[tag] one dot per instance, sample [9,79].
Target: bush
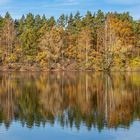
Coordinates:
[135,62]
[11,58]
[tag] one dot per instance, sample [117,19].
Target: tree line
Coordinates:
[95,41]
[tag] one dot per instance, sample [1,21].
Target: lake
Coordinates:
[69,106]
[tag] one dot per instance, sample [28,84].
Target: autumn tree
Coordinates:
[51,45]
[8,36]
[117,33]
[85,45]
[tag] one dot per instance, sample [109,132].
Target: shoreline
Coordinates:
[36,69]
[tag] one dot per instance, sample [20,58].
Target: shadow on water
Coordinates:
[71,99]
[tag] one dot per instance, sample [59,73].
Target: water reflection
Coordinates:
[70,99]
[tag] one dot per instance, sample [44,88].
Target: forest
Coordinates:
[96,41]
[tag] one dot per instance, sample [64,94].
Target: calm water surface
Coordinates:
[69,106]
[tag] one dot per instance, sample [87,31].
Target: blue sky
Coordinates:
[57,7]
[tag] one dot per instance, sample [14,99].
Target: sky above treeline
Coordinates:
[56,7]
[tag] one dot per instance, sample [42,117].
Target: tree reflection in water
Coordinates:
[70,99]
